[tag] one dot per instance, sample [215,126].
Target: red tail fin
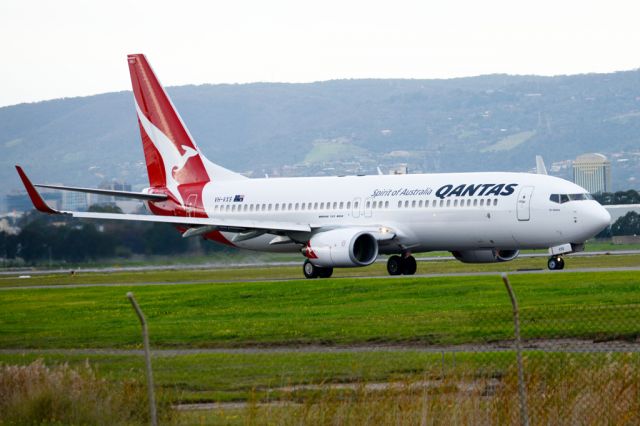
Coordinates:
[172,156]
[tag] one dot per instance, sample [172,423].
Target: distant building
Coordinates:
[592,172]
[72,200]
[112,186]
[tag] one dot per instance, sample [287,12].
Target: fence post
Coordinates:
[524,415]
[147,358]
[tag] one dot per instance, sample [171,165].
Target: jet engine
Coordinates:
[485,255]
[342,247]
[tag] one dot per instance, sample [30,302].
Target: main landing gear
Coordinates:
[312,271]
[555,263]
[402,265]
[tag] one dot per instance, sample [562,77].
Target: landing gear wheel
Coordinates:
[325,272]
[395,265]
[555,263]
[310,270]
[409,265]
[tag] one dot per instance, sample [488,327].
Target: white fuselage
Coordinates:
[425,211]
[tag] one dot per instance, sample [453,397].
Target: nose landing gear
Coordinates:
[555,263]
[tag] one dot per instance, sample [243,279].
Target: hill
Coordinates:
[494,122]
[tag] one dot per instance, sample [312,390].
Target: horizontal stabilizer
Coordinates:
[108,192]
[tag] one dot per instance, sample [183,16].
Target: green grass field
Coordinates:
[412,311]
[437,310]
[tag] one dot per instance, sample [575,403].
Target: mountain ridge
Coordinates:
[256,128]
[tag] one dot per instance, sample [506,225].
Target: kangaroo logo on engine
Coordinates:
[468,190]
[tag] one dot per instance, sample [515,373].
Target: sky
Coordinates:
[65,48]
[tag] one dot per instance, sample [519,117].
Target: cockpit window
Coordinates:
[564,198]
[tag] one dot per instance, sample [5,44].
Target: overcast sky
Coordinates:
[51,49]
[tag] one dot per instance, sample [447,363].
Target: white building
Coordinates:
[592,172]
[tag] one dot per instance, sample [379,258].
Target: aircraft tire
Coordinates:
[325,272]
[555,263]
[395,265]
[309,270]
[409,265]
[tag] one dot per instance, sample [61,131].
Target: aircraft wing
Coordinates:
[211,224]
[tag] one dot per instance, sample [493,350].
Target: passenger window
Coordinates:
[448,203]
[455,203]
[335,205]
[386,204]
[355,205]
[441,203]
[348,204]
[368,204]
[495,201]
[475,202]
[426,203]
[420,203]
[341,204]
[321,206]
[399,204]
[270,207]
[406,203]
[482,202]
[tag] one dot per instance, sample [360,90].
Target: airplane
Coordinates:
[343,221]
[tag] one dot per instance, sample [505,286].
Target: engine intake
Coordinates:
[342,247]
[485,255]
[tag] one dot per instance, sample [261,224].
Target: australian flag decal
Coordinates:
[238,198]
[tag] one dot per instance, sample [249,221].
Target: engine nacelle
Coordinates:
[342,247]
[485,255]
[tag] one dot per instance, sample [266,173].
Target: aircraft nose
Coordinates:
[599,218]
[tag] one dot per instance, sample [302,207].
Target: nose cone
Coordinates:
[597,218]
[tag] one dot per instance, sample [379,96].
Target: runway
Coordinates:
[397,277]
[202,266]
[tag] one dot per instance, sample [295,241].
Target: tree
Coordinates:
[628,224]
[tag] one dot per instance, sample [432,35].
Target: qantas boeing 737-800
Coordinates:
[344,221]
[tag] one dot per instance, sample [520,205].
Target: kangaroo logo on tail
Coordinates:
[173,160]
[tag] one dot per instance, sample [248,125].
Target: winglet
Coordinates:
[36,199]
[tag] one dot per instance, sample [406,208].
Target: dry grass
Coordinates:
[38,394]
[566,390]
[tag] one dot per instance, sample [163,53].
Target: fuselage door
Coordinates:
[355,208]
[524,203]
